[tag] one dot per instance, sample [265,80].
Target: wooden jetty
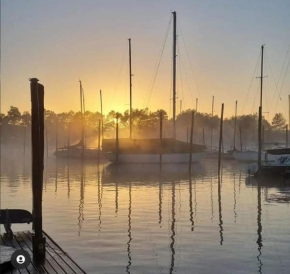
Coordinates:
[56,260]
[46,255]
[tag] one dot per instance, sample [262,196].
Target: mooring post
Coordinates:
[191,140]
[24,140]
[99,141]
[117,138]
[37,136]
[286,136]
[221,139]
[241,140]
[160,137]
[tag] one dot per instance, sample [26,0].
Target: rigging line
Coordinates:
[191,93]
[276,85]
[154,75]
[251,83]
[282,85]
[284,63]
[118,77]
[190,64]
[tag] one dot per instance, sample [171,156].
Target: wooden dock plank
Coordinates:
[57,261]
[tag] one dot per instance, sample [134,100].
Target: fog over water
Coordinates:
[138,219]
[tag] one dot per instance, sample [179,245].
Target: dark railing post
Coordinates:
[37,136]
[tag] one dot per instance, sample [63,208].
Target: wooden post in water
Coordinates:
[241,140]
[37,137]
[99,142]
[24,140]
[46,141]
[117,138]
[68,139]
[56,135]
[286,136]
[191,140]
[220,140]
[160,137]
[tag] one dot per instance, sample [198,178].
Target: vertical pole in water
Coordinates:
[212,109]
[241,140]
[101,99]
[99,142]
[24,140]
[68,139]
[235,127]
[37,137]
[221,139]
[286,136]
[46,141]
[160,137]
[174,75]
[130,74]
[203,137]
[117,138]
[289,110]
[56,134]
[191,140]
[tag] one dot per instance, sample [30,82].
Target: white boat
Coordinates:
[77,152]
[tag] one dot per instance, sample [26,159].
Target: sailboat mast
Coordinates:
[130,77]
[235,128]
[174,75]
[82,114]
[212,109]
[260,113]
[102,120]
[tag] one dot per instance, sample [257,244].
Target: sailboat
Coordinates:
[79,150]
[170,150]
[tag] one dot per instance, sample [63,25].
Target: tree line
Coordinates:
[61,128]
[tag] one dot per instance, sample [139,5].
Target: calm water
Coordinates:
[138,220]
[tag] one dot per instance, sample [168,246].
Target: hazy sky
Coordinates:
[62,41]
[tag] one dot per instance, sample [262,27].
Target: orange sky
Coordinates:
[60,42]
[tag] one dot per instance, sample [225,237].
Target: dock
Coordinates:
[56,259]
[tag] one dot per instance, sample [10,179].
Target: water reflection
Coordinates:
[129,230]
[197,205]
[173,220]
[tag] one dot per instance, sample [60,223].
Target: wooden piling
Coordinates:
[24,140]
[286,136]
[191,140]
[46,141]
[68,139]
[221,139]
[241,140]
[160,137]
[99,142]
[117,138]
[37,137]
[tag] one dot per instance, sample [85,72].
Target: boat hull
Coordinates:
[77,153]
[155,158]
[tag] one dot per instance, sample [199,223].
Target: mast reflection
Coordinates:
[82,199]
[129,230]
[259,225]
[235,199]
[172,231]
[160,203]
[100,196]
[190,204]
[220,213]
